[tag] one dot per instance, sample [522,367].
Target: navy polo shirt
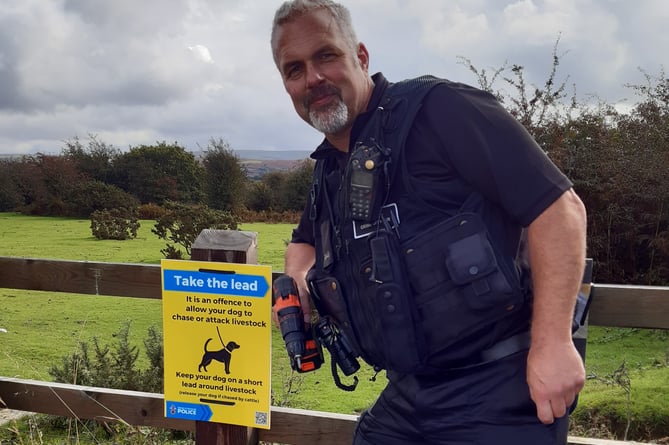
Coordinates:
[462,140]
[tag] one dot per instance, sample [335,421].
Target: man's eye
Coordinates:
[292,72]
[328,56]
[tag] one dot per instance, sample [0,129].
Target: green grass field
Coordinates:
[43,327]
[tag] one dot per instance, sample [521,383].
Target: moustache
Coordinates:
[319,91]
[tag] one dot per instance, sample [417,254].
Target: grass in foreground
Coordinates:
[44,326]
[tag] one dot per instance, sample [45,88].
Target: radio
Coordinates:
[364,180]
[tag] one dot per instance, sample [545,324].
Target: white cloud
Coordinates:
[189,70]
[538,24]
[450,26]
[202,53]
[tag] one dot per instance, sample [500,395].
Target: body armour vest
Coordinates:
[413,289]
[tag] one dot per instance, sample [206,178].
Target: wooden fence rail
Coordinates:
[613,305]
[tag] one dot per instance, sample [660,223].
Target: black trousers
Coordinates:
[487,404]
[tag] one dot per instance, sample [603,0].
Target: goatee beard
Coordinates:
[332,118]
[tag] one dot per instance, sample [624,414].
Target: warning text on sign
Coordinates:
[229,314]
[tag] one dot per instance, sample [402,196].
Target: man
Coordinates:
[417,244]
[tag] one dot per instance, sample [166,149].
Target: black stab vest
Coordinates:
[414,289]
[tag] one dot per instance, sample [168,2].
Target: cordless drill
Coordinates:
[304,352]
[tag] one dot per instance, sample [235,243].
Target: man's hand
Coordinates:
[305,302]
[299,259]
[555,375]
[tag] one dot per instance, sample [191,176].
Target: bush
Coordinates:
[270,216]
[150,211]
[114,366]
[91,196]
[182,223]
[117,224]
[152,377]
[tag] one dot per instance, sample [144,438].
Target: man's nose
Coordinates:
[314,75]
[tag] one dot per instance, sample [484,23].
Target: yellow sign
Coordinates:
[217,342]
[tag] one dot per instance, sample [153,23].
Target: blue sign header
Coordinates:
[215,282]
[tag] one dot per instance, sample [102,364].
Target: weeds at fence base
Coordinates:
[52,430]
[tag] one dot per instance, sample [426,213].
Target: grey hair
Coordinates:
[293,9]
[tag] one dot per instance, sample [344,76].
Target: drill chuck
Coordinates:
[291,322]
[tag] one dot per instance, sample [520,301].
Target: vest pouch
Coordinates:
[471,261]
[403,345]
[459,284]
[326,293]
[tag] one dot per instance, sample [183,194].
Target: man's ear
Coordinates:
[363,56]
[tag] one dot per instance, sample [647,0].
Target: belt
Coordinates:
[501,349]
[505,348]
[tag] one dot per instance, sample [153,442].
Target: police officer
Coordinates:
[430,206]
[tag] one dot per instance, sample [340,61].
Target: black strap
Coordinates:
[400,105]
[324,249]
[337,379]
[316,184]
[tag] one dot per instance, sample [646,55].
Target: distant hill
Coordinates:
[259,155]
[9,156]
[273,155]
[259,162]
[256,162]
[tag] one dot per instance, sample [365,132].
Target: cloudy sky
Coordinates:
[139,71]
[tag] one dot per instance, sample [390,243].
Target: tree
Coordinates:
[640,149]
[267,194]
[96,160]
[617,162]
[259,196]
[297,185]
[46,184]
[536,108]
[156,173]
[225,180]
[283,190]
[10,194]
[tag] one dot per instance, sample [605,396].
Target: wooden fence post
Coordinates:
[230,246]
